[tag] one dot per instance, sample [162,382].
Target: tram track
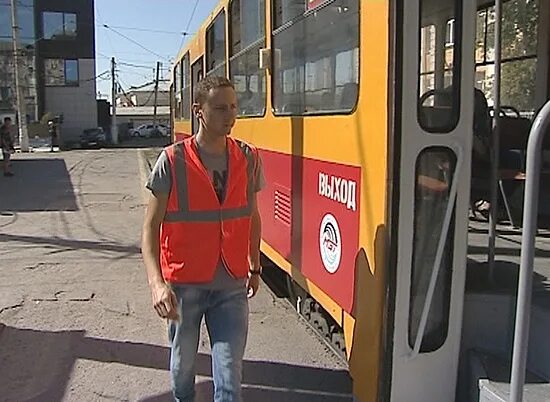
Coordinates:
[318,320]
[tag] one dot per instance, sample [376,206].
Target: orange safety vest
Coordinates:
[197,229]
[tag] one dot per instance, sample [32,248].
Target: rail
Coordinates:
[530,212]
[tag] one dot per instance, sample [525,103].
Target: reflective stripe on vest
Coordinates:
[185,215]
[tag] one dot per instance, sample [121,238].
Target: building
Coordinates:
[27,51]
[57,41]
[145,96]
[136,107]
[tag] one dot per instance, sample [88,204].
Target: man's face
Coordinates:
[7,122]
[219,111]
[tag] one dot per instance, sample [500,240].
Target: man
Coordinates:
[6,144]
[52,130]
[201,242]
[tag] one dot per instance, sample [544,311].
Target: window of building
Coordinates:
[439,65]
[25,20]
[5,94]
[519,53]
[315,57]
[247,38]
[71,72]
[58,25]
[61,72]
[5,21]
[215,46]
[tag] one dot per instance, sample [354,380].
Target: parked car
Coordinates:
[150,130]
[93,136]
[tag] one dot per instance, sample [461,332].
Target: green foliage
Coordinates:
[519,40]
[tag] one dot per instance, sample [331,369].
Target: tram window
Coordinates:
[316,68]
[439,65]
[176,89]
[434,170]
[215,46]
[185,88]
[247,38]
[519,53]
[286,10]
[427,61]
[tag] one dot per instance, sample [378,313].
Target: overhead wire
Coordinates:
[128,98]
[100,18]
[135,42]
[192,15]
[123,63]
[134,73]
[146,30]
[101,75]
[185,33]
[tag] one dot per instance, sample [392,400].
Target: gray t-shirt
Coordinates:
[160,182]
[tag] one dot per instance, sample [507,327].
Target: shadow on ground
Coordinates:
[37,365]
[38,185]
[504,279]
[56,244]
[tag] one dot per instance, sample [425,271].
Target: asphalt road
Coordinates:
[76,323]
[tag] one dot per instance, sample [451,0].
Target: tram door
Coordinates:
[197,72]
[433,130]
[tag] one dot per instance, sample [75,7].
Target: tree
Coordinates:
[519,39]
[519,47]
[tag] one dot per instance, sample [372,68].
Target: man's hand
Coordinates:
[252,285]
[165,301]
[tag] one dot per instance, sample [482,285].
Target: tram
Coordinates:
[363,112]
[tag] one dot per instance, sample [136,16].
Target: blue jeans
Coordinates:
[226,316]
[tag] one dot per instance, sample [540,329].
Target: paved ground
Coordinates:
[76,322]
[75,317]
[507,260]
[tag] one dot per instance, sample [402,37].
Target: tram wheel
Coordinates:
[338,342]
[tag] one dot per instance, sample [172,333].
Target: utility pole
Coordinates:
[156,95]
[114,128]
[21,107]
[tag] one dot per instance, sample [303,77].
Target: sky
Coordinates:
[137,19]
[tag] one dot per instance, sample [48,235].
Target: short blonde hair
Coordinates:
[206,84]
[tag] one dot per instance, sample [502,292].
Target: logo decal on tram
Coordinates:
[330,243]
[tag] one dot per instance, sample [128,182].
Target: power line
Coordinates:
[147,30]
[129,62]
[108,37]
[192,15]
[141,86]
[188,25]
[122,63]
[134,42]
[134,73]
[96,77]
[102,54]
[125,94]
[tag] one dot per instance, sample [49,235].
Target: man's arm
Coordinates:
[255,235]
[254,248]
[164,299]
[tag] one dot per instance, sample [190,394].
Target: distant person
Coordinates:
[201,242]
[6,144]
[52,129]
